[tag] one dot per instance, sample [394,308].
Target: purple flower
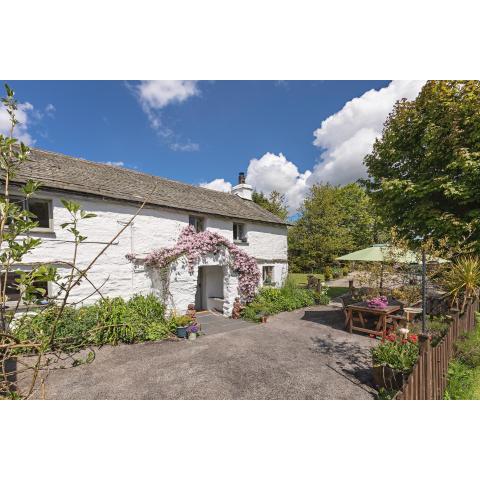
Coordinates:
[378,302]
[192,329]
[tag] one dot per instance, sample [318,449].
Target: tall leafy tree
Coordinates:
[274,203]
[425,169]
[333,220]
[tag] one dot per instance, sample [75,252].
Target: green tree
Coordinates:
[274,203]
[425,169]
[333,220]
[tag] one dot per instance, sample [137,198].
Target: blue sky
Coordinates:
[198,132]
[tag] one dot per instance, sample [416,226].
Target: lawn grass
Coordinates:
[334,292]
[476,384]
[464,369]
[300,279]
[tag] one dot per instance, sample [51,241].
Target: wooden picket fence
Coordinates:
[428,379]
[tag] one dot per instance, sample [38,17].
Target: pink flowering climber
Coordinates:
[194,245]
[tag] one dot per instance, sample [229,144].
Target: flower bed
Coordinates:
[270,301]
[393,359]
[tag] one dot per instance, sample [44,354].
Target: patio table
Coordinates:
[362,308]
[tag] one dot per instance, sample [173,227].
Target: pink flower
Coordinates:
[194,245]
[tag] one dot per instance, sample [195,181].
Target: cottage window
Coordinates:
[268,275]
[12,291]
[41,208]
[196,223]
[239,232]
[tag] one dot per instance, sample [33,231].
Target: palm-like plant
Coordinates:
[462,279]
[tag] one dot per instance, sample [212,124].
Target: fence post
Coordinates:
[455,313]
[426,353]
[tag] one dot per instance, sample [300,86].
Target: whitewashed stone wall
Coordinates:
[183,282]
[153,228]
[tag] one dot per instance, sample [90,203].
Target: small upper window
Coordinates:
[39,207]
[196,223]
[267,275]
[239,232]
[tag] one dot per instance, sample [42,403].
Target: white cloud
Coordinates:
[272,172]
[345,138]
[23,115]
[348,135]
[158,94]
[185,147]
[115,164]
[155,95]
[218,184]
[50,110]
[275,172]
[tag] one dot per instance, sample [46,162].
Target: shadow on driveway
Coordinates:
[349,359]
[330,317]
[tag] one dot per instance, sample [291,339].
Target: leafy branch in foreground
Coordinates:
[24,358]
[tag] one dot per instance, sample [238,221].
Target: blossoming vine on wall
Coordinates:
[194,244]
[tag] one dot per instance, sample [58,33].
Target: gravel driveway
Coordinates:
[296,355]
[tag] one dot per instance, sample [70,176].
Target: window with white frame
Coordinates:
[196,223]
[267,275]
[239,232]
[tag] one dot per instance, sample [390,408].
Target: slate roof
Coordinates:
[62,172]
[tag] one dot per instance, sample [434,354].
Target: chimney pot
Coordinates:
[242,190]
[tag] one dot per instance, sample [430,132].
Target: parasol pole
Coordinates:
[424,290]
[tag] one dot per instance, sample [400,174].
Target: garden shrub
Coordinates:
[437,327]
[321,298]
[337,272]
[467,350]
[270,301]
[108,321]
[328,273]
[438,324]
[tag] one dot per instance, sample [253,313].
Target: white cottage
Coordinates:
[114,194]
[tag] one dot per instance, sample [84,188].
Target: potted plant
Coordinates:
[192,331]
[393,359]
[378,302]
[182,324]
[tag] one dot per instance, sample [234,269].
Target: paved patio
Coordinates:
[297,355]
[213,323]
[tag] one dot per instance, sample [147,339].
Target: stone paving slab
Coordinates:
[213,323]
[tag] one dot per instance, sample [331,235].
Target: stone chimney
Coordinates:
[243,190]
